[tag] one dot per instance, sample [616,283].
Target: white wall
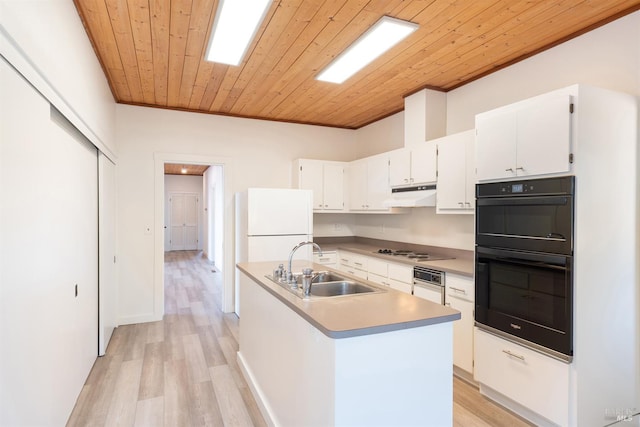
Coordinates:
[46,42]
[256,153]
[214,223]
[384,135]
[183,184]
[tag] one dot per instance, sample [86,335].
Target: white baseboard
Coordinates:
[515,407]
[144,318]
[256,391]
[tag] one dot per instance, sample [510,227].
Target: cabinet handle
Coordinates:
[324,259]
[520,168]
[358,263]
[509,170]
[467,203]
[406,180]
[326,206]
[448,304]
[346,261]
[458,290]
[517,356]
[461,204]
[411,179]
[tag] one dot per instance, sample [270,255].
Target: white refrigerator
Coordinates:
[269,223]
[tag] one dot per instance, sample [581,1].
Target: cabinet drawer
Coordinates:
[400,272]
[354,271]
[400,286]
[527,377]
[327,258]
[377,267]
[375,278]
[460,287]
[353,260]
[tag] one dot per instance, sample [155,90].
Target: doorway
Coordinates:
[216,226]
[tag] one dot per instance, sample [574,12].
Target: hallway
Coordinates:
[181,371]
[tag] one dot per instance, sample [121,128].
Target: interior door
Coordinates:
[183,213]
[177,221]
[190,222]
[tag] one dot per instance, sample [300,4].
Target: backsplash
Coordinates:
[421,226]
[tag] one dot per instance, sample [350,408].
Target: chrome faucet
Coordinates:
[295,248]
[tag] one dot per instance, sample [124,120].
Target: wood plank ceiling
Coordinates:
[152,52]
[177,169]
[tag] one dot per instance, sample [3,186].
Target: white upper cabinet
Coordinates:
[325,178]
[413,165]
[456,173]
[369,183]
[530,138]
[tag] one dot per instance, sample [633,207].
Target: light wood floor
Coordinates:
[182,371]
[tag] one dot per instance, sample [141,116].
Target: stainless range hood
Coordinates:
[412,197]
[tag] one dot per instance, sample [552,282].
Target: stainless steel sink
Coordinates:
[343,287]
[327,284]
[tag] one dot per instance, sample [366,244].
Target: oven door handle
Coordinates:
[531,258]
[524,201]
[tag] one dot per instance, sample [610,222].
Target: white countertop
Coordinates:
[353,315]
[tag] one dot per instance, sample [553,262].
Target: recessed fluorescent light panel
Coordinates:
[385,34]
[236,23]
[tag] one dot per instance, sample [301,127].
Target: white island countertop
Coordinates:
[353,315]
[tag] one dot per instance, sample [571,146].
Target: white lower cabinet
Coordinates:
[538,383]
[396,276]
[400,277]
[328,258]
[460,292]
[353,263]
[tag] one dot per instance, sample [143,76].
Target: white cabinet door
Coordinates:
[358,185]
[495,145]
[528,139]
[311,178]
[424,163]
[462,333]
[378,182]
[399,167]
[456,173]
[527,377]
[544,139]
[333,186]
[451,174]
[325,179]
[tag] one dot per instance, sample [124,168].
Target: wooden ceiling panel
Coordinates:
[177,169]
[152,52]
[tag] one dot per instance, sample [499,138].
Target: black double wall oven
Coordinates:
[524,262]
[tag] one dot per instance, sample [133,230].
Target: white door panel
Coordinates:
[273,211]
[277,248]
[183,212]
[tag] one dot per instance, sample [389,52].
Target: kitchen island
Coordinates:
[381,358]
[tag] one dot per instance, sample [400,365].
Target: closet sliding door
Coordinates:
[48,257]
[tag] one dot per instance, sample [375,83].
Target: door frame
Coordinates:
[228,242]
